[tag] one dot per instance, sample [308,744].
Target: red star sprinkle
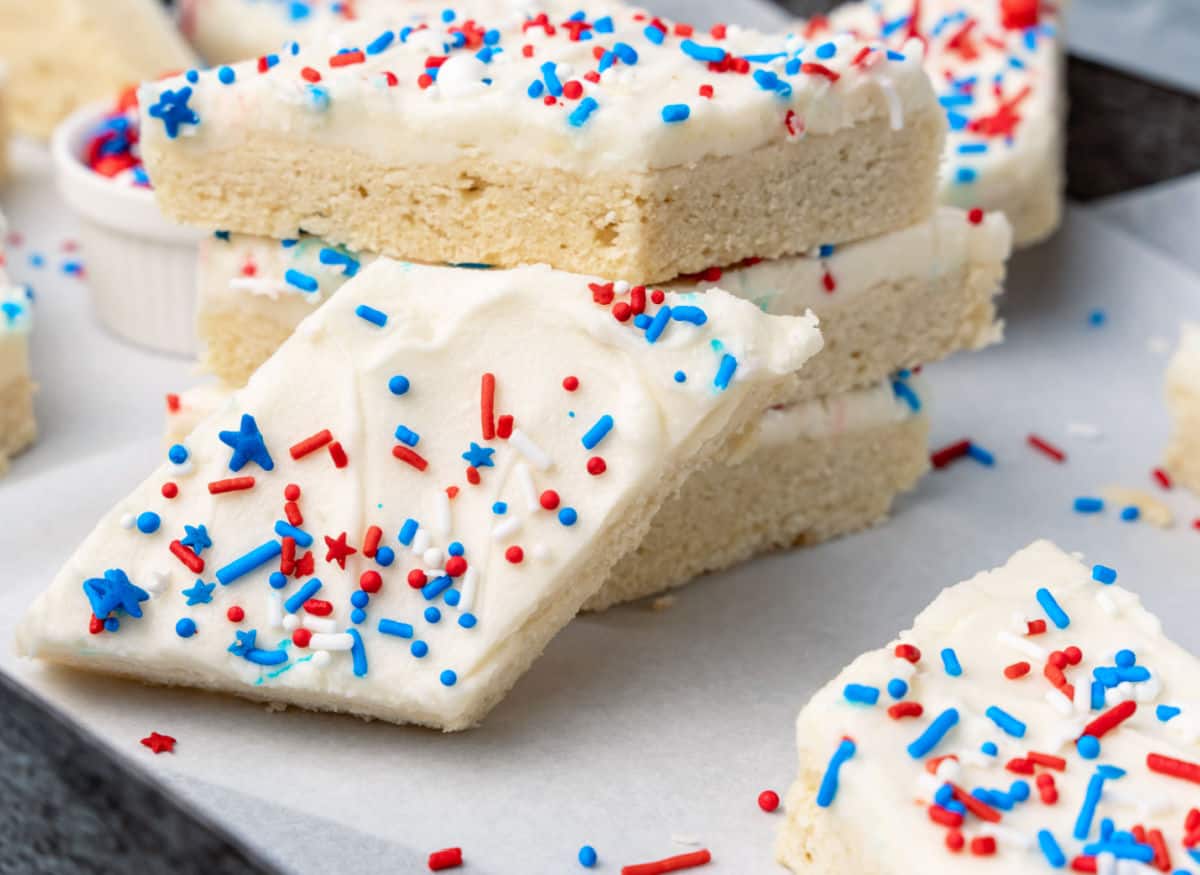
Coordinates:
[339,550]
[159,743]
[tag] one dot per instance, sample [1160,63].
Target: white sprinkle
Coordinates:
[127,521]
[684,839]
[1106,864]
[318,624]
[291,622]
[1059,702]
[320,659]
[531,451]
[1083,698]
[507,528]
[274,608]
[1084,430]
[895,107]
[441,513]
[1023,644]
[528,489]
[420,541]
[1106,603]
[621,287]
[540,552]
[433,557]
[156,581]
[927,786]
[183,469]
[466,599]
[1148,691]
[336,641]
[948,770]
[903,669]
[1007,836]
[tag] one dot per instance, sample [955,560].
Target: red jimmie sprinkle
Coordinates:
[670,864]
[1020,766]
[1110,719]
[909,652]
[951,453]
[287,555]
[193,562]
[311,444]
[815,69]
[1083,864]
[979,809]
[345,59]
[487,406]
[318,607]
[946,818]
[447,858]
[340,459]
[1044,446]
[1017,670]
[371,541]
[1048,760]
[1035,627]
[906,709]
[983,846]
[1173,768]
[1163,478]
[308,74]
[404,454]
[504,427]
[172,403]
[233,484]
[1047,789]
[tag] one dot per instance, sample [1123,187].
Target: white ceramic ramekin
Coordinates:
[141,266]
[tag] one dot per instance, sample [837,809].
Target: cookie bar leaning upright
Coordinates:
[616,143]
[1035,718]
[1183,399]
[18,429]
[411,498]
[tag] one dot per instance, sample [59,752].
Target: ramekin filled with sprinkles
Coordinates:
[141,265]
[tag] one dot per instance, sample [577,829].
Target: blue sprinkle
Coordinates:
[568,516]
[861,694]
[594,435]
[185,628]
[655,329]
[1125,658]
[653,34]
[989,748]
[178,454]
[627,53]
[112,624]
[536,89]
[148,522]
[334,258]
[673,113]
[370,314]
[407,436]
[965,175]
[398,385]
[419,649]
[499,508]
[448,678]
[277,580]
[825,250]
[1088,747]
[380,43]
[456,548]
[408,531]
[297,599]
[1103,574]
[395,628]
[385,556]
[725,372]
[436,587]
[980,455]
[1130,514]
[829,782]
[1166,713]
[1098,698]
[1050,849]
[825,51]
[579,116]
[692,315]
[1096,318]
[587,856]
[709,54]
[905,393]
[897,688]
[360,598]
[603,25]
[358,654]
[1008,723]
[358,615]
[302,281]
[452,597]
[1050,605]
[553,84]
[226,75]
[680,377]
[249,562]
[933,734]
[972,149]
[1083,504]
[287,530]
[467,621]
[432,615]
[950,663]
[1019,790]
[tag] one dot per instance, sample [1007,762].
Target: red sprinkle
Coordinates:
[596,466]
[549,499]
[1163,478]
[447,858]
[1035,627]
[308,74]
[946,818]
[338,455]
[514,554]
[975,216]
[345,59]
[172,403]
[184,554]
[370,581]
[235,614]
[487,406]
[906,709]
[291,492]
[318,607]
[909,652]
[670,864]
[768,800]
[815,69]
[311,444]
[1017,670]
[570,383]
[170,490]
[456,566]
[1047,788]
[417,578]
[706,91]
[301,637]
[292,511]
[950,453]
[404,454]
[233,484]
[983,846]
[955,840]
[1173,768]
[1110,719]
[371,541]
[1046,447]
[1048,760]
[504,427]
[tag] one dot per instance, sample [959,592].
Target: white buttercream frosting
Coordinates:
[16,321]
[874,812]
[616,90]
[643,396]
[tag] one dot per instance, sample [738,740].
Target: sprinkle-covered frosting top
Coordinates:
[1035,718]
[593,89]
[995,65]
[423,473]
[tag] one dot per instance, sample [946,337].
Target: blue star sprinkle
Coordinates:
[248,445]
[479,457]
[200,593]
[197,538]
[173,109]
[112,592]
[244,643]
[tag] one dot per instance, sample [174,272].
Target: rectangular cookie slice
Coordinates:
[998,69]
[415,494]
[806,472]
[896,301]
[1183,399]
[18,428]
[1035,718]
[609,142]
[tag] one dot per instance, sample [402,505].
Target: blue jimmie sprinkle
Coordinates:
[829,782]
[692,315]
[370,314]
[597,432]
[1104,574]
[579,116]
[825,51]
[653,34]
[1084,504]
[725,372]
[1056,614]
[658,324]
[286,530]
[905,393]
[297,599]
[395,628]
[950,663]
[249,562]
[358,654]
[1006,722]
[980,455]
[436,587]
[673,113]
[408,531]
[1130,514]
[861,694]
[933,734]
[380,43]
[709,54]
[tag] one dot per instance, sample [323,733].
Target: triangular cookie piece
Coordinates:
[416,492]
